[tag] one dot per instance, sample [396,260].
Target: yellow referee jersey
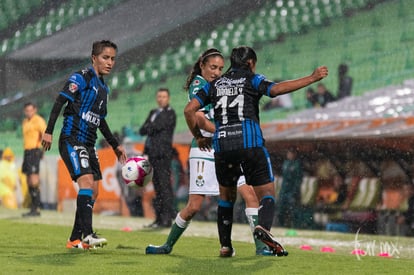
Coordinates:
[33,130]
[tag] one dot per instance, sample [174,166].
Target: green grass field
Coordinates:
[37,246]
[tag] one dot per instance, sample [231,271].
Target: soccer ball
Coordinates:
[137,171]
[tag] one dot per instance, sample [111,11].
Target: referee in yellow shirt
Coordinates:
[33,127]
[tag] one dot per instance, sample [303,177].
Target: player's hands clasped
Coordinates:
[204,143]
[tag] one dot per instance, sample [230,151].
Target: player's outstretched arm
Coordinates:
[289,86]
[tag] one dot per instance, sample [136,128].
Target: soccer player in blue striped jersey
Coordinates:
[238,139]
[85,96]
[203,181]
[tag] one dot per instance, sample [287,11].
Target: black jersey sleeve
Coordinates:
[54,113]
[106,132]
[260,83]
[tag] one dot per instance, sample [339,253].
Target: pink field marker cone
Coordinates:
[126,229]
[327,249]
[358,252]
[305,247]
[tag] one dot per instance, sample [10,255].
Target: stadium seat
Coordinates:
[4,46]
[40,28]
[17,40]
[114,82]
[131,79]
[155,75]
[163,64]
[143,75]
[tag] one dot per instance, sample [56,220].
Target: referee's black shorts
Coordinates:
[31,161]
[253,163]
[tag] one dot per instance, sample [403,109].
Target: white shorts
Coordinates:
[203,180]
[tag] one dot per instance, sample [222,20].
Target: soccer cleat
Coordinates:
[93,241]
[226,251]
[76,244]
[264,252]
[158,225]
[163,249]
[31,214]
[267,238]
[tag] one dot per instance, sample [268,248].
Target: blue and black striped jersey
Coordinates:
[235,97]
[87,97]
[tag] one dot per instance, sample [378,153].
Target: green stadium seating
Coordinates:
[11,11]
[67,14]
[264,25]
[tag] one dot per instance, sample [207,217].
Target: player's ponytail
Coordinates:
[196,70]
[239,58]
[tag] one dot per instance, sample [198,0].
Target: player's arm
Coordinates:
[190,111]
[54,114]
[110,138]
[204,123]
[288,86]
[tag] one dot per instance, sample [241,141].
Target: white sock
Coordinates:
[251,215]
[180,222]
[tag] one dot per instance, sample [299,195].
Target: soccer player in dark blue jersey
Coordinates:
[238,140]
[85,96]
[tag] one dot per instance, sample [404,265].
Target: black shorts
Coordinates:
[31,161]
[79,159]
[253,163]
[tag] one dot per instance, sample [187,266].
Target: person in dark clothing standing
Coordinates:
[159,128]
[345,82]
[289,197]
